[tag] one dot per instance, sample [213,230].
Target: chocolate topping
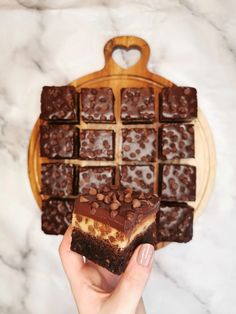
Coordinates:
[118,214]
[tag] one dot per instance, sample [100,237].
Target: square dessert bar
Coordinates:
[178,183]
[96,145]
[174,222]
[176,141]
[97,105]
[96,177]
[137,105]
[178,104]
[56,215]
[58,141]
[109,225]
[58,104]
[57,179]
[139,178]
[139,144]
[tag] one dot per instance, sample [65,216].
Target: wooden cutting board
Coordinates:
[116,77]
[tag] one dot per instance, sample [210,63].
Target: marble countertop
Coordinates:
[53,42]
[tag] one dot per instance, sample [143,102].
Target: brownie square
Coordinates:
[178,183]
[178,104]
[137,105]
[96,177]
[174,222]
[139,178]
[96,145]
[176,141]
[56,215]
[139,144]
[57,179]
[58,141]
[59,103]
[97,105]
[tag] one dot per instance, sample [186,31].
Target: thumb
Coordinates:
[130,287]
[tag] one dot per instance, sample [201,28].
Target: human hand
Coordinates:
[98,291]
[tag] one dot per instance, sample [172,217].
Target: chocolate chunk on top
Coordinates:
[97,105]
[174,222]
[58,141]
[59,103]
[57,179]
[120,208]
[56,215]
[97,144]
[177,141]
[137,105]
[139,178]
[178,104]
[139,144]
[178,183]
[95,177]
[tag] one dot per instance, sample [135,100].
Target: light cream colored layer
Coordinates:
[112,235]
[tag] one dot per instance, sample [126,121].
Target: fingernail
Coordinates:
[145,254]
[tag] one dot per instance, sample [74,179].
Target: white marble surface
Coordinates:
[54,42]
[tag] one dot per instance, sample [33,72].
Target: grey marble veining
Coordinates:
[47,42]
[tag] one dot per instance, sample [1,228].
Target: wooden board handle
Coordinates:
[126,42]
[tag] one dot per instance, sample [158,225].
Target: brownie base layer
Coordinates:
[106,255]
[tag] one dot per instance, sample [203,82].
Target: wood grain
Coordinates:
[116,77]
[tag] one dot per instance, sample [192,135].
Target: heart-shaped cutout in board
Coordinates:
[126,57]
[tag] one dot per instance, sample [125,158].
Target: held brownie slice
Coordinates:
[109,225]
[174,222]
